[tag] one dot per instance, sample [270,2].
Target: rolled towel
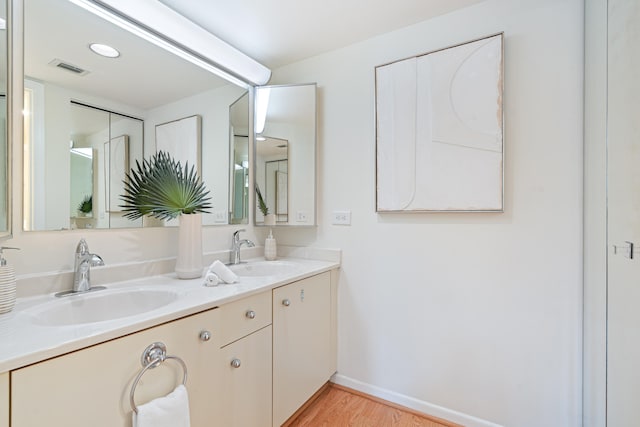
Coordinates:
[211,279]
[169,411]
[223,272]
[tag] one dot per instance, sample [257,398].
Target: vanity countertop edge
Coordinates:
[23,342]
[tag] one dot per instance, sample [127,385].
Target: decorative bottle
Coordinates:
[270,249]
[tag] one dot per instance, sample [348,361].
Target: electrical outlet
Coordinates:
[341,218]
[301,216]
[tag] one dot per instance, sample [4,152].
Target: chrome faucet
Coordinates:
[84,260]
[236,243]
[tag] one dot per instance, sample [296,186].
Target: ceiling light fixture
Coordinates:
[104,50]
[164,27]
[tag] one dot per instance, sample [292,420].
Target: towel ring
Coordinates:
[152,357]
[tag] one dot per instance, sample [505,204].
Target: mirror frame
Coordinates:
[10,108]
[254,153]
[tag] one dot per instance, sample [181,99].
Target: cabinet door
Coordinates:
[302,359]
[91,387]
[246,381]
[4,400]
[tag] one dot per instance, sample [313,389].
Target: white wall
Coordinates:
[476,313]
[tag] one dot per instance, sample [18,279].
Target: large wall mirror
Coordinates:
[88,118]
[5,181]
[239,172]
[285,153]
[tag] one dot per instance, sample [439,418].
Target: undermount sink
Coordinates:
[100,306]
[264,268]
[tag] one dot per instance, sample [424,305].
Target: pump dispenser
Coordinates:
[7,283]
[270,249]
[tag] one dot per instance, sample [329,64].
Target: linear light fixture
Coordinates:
[262,105]
[162,26]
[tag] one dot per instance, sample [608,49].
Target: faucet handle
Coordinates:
[82,248]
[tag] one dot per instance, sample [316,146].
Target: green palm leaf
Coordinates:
[261,203]
[161,188]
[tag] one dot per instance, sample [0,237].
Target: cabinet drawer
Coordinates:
[240,318]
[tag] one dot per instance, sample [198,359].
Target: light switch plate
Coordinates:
[301,216]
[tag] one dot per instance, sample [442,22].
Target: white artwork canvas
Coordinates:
[182,140]
[439,130]
[116,164]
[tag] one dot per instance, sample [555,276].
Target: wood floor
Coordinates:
[337,406]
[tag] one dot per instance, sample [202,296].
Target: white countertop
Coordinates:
[23,341]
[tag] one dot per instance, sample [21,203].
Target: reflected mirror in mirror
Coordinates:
[4,149]
[143,87]
[272,171]
[285,147]
[239,179]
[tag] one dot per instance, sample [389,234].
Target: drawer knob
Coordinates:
[250,314]
[235,363]
[205,336]
[286,302]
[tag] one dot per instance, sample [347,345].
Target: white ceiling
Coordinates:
[279,32]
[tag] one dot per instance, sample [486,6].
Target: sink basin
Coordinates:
[100,306]
[264,268]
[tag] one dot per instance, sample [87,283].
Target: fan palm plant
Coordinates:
[160,187]
[86,206]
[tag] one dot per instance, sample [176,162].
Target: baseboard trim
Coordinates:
[426,408]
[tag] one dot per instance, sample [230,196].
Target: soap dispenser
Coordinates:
[270,249]
[7,284]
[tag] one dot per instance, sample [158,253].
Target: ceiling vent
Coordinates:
[69,67]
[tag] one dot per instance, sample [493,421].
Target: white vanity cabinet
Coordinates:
[90,387]
[303,342]
[4,400]
[246,362]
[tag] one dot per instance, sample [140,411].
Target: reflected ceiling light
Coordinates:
[86,152]
[262,105]
[104,50]
[164,27]
[260,138]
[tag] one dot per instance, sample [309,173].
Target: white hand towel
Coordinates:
[169,411]
[211,279]
[223,272]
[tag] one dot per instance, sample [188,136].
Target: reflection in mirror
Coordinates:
[285,166]
[142,88]
[272,167]
[239,179]
[4,149]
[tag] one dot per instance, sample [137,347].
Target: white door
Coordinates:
[623,189]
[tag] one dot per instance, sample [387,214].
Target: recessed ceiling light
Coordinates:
[104,50]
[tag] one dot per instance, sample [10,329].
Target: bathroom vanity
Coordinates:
[255,351]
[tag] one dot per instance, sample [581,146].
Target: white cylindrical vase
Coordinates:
[270,219]
[189,262]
